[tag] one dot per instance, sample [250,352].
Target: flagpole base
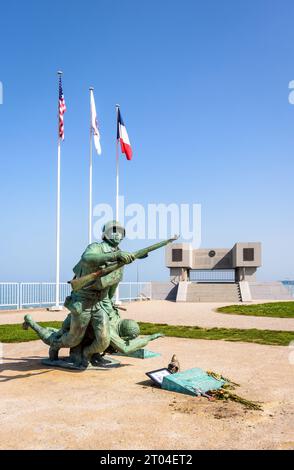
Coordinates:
[55,308]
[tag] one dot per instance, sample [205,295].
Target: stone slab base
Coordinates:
[140,354]
[66,363]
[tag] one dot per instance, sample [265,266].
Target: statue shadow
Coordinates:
[147,384]
[30,364]
[33,366]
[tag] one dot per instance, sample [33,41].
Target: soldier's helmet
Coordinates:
[129,329]
[111,227]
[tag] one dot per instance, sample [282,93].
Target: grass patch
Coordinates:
[272,337]
[15,334]
[272,309]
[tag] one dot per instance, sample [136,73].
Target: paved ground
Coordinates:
[118,409]
[200,314]
[161,311]
[42,408]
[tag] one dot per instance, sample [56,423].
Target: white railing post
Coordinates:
[20,295]
[40,294]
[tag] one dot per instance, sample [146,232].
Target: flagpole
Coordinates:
[57,306]
[117,172]
[117,301]
[90,175]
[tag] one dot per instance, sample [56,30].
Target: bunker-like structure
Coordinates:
[216,275]
[213,264]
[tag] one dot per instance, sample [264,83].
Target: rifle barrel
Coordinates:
[79,283]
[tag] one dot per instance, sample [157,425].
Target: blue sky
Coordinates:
[203,89]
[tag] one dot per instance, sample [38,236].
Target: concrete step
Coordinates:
[213,292]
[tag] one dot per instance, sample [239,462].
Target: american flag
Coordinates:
[61,110]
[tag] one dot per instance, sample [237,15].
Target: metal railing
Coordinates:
[14,295]
[41,294]
[9,294]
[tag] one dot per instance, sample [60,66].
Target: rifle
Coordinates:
[80,282]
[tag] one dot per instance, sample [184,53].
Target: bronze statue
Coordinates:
[94,324]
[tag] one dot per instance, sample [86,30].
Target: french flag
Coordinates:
[122,137]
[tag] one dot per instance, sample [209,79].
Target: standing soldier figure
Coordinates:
[91,303]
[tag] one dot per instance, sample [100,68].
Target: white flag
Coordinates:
[94,125]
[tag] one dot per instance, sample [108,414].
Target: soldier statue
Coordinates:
[94,325]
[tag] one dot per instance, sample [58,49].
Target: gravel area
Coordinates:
[43,408]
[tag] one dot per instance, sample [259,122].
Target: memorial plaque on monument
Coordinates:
[191,382]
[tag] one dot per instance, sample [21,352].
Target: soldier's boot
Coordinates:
[98,360]
[77,358]
[85,359]
[43,333]
[53,353]
[84,362]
